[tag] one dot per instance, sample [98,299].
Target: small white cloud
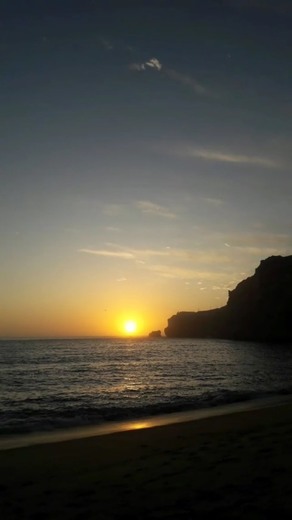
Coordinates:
[122,279]
[154,63]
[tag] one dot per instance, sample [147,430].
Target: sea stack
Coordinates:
[155,334]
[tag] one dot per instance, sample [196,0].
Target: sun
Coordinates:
[130,326]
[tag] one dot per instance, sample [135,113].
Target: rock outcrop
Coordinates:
[258,309]
[155,334]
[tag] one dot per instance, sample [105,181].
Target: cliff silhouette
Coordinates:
[258,309]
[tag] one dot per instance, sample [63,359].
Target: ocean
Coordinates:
[46,385]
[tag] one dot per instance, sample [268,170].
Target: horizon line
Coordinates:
[43,338]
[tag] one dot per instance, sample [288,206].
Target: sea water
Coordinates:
[46,385]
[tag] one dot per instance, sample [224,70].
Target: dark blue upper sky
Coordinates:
[145,143]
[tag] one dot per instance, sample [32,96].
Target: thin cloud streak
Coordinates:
[273,241]
[140,255]
[212,155]
[186,264]
[154,209]
[258,251]
[103,252]
[177,272]
[212,201]
[186,80]
[170,271]
[186,151]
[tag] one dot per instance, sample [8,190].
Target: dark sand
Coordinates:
[231,466]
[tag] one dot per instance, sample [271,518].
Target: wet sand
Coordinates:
[236,465]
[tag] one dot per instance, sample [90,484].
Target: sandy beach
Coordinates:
[234,466]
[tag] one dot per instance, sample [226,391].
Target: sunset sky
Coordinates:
[145,158]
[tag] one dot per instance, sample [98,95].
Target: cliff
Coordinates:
[258,309]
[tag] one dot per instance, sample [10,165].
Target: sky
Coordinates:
[145,158]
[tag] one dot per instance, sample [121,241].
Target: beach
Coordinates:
[237,465]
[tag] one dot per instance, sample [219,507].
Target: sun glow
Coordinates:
[130,326]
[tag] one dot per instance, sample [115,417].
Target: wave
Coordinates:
[27,420]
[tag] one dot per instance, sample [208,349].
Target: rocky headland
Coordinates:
[258,309]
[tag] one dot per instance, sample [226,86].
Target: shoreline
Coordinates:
[236,465]
[15,441]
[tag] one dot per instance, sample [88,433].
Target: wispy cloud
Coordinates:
[223,156]
[138,254]
[269,241]
[110,45]
[106,252]
[113,210]
[213,201]
[184,79]
[177,264]
[113,229]
[154,209]
[170,254]
[214,269]
[107,44]
[184,273]
[254,245]
[261,252]
[117,251]
[144,256]
[156,65]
